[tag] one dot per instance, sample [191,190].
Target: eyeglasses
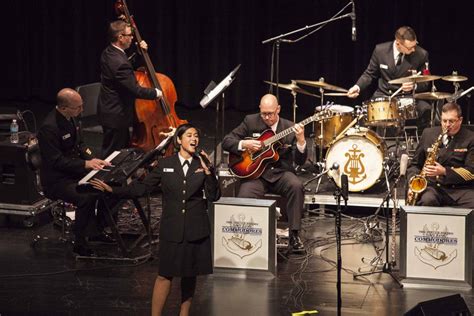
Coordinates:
[449,121]
[131,34]
[269,114]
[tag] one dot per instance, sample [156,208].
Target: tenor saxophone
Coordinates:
[418,182]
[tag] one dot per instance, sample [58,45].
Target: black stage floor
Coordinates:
[47,280]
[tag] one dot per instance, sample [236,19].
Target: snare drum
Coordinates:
[382,112]
[359,154]
[326,130]
[407,108]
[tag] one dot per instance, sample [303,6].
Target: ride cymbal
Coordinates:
[292,87]
[433,95]
[454,78]
[414,78]
[320,84]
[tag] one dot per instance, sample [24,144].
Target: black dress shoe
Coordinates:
[83,250]
[103,238]
[296,245]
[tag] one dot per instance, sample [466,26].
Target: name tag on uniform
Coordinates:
[168,169]
[68,135]
[460,150]
[383,66]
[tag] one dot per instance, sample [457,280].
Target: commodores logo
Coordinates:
[436,252]
[245,238]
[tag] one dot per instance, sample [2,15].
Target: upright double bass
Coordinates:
[154,117]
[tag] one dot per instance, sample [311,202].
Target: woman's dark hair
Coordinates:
[181,130]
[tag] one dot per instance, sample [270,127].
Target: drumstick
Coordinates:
[395,93]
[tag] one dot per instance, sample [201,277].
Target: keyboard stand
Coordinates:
[126,251]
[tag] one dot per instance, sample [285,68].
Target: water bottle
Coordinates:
[14,132]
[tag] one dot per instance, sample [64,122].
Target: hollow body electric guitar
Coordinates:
[251,165]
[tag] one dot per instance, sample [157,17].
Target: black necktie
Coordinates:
[185,166]
[399,59]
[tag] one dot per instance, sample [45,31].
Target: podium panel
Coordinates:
[436,247]
[243,235]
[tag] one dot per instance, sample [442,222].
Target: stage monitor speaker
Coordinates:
[453,305]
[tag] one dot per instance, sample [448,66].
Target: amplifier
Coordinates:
[228,183]
[17,180]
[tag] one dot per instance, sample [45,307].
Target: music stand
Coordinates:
[212,92]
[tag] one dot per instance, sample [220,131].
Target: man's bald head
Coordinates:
[69,102]
[269,109]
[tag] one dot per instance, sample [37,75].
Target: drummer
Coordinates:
[392,60]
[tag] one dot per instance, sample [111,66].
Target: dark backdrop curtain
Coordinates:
[50,44]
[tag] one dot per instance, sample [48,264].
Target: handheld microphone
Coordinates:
[198,155]
[353,18]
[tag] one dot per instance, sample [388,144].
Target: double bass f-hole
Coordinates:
[154,117]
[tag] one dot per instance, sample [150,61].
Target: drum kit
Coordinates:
[349,139]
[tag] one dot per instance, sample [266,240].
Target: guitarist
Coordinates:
[279,177]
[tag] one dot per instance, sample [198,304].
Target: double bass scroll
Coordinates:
[154,117]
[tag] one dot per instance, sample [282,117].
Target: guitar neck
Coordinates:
[286,132]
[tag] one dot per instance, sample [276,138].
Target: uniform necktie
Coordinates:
[185,166]
[399,59]
[446,140]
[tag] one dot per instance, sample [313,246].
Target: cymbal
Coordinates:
[454,78]
[414,78]
[433,95]
[292,87]
[336,94]
[321,84]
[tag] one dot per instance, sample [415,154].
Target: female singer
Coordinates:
[188,184]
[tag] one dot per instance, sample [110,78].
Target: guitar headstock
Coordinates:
[322,115]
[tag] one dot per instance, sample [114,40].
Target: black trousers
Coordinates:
[114,139]
[85,223]
[288,186]
[438,197]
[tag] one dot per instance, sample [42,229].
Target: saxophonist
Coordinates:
[451,178]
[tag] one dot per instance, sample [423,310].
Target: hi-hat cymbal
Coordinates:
[292,87]
[433,95]
[454,78]
[414,78]
[321,84]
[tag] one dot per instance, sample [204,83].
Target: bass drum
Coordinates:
[359,153]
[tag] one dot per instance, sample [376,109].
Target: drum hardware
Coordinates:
[294,88]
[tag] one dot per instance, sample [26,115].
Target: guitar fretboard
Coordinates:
[290,130]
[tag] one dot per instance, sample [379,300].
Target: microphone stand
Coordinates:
[276,40]
[337,197]
[387,266]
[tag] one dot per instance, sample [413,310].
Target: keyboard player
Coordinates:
[65,160]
